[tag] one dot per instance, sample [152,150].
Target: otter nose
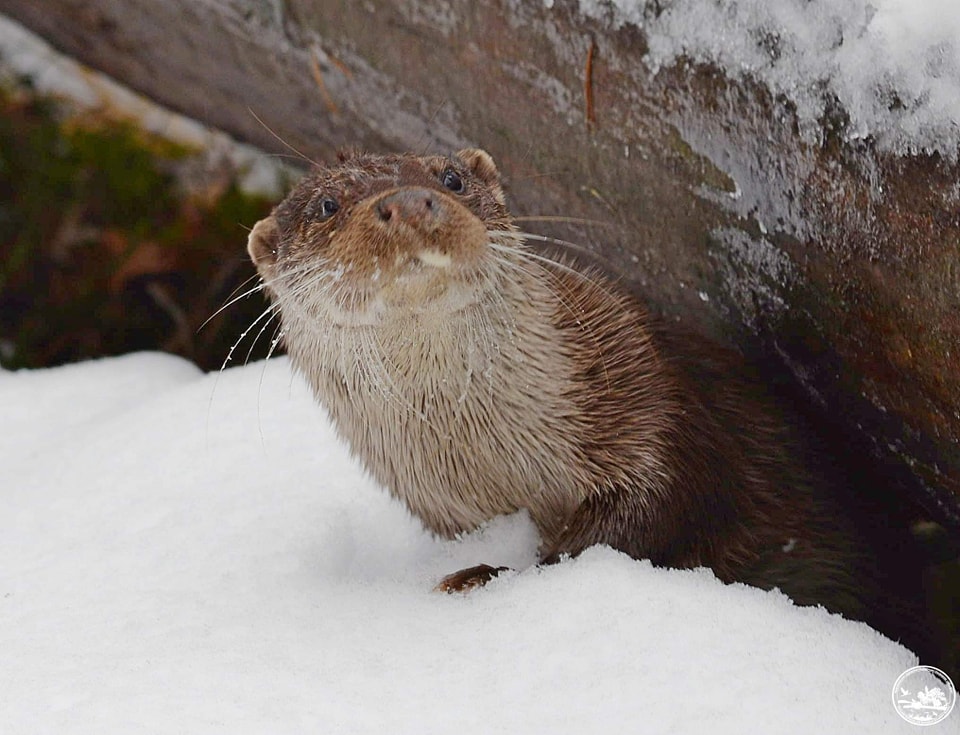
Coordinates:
[414,204]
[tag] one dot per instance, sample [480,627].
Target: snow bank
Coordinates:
[893,65]
[197,553]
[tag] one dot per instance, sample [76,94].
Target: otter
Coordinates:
[473,377]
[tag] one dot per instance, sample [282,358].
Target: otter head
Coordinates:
[378,236]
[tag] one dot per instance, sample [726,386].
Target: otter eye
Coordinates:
[451,179]
[328,208]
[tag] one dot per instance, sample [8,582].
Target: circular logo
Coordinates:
[924,695]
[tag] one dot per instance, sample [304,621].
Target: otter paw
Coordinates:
[468,579]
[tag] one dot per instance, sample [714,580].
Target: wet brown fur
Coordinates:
[472,380]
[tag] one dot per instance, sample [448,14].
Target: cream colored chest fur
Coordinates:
[463,418]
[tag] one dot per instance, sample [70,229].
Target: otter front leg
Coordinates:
[468,579]
[609,517]
[614,517]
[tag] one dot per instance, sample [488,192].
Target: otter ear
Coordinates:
[262,241]
[481,164]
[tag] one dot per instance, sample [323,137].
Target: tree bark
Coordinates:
[842,260]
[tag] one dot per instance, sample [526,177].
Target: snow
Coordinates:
[893,65]
[183,552]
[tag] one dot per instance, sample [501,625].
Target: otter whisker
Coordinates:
[274,341]
[473,336]
[559,264]
[568,302]
[501,312]
[284,303]
[266,324]
[280,139]
[568,244]
[239,287]
[249,292]
[563,219]
[373,364]
[271,309]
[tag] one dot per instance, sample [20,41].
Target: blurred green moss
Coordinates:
[102,251]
